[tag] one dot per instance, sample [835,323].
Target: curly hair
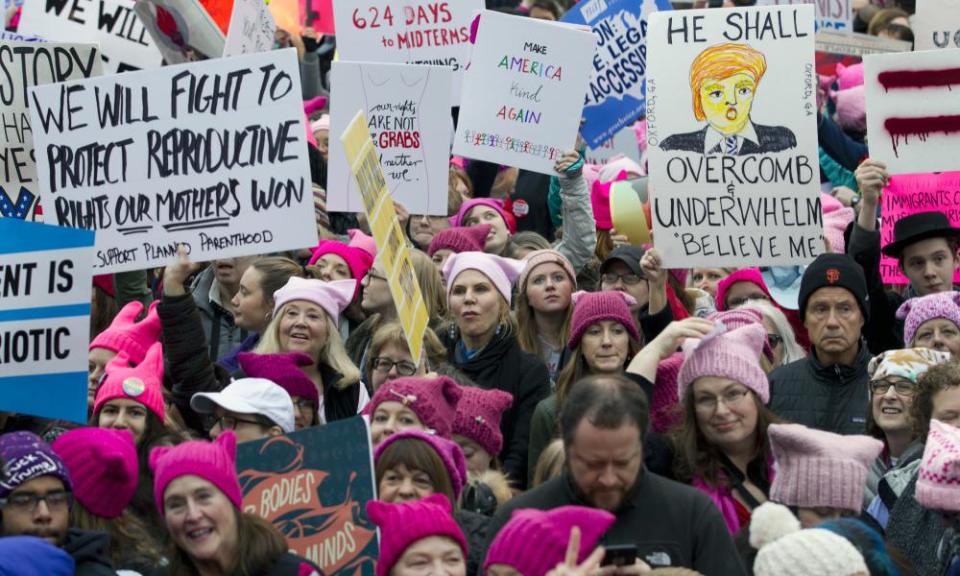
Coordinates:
[937,379]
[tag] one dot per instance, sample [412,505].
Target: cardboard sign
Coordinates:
[523,94]
[211,154]
[407,107]
[27,64]
[182,29]
[623,142]
[615,98]
[44,319]
[936,25]
[313,485]
[407,32]
[831,14]
[913,113]
[318,14]
[908,194]
[732,137]
[392,248]
[123,39]
[251,28]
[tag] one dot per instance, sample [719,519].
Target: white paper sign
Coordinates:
[732,137]
[913,112]
[524,92]
[407,109]
[251,28]
[936,25]
[623,142]
[407,32]
[124,42]
[211,154]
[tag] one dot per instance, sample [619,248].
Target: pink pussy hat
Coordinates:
[215,462]
[406,523]
[285,369]
[502,272]
[433,400]
[333,297]
[478,417]
[142,383]
[938,482]
[127,335]
[103,467]
[448,451]
[733,354]
[592,307]
[916,311]
[460,239]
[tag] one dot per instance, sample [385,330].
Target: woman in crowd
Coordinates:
[932,321]
[456,240]
[476,428]
[126,335]
[544,308]
[417,402]
[198,496]
[419,537]
[706,279]
[482,344]
[388,356]
[334,260]
[286,370]
[746,285]
[781,338]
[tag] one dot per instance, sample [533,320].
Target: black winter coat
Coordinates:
[883,331]
[474,527]
[89,552]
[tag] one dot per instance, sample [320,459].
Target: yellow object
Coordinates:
[627,212]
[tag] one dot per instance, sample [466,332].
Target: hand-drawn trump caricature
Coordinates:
[724,80]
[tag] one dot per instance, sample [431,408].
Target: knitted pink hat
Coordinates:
[466,207]
[460,239]
[127,335]
[333,297]
[600,200]
[852,108]
[916,311]
[817,469]
[449,452]
[103,467]
[285,370]
[938,482]
[433,400]
[478,417]
[534,541]
[503,272]
[143,383]
[592,307]
[616,165]
[849,76]
[538,257]
[404,524]
[365,242]
[357,254]
[215,462]
[321,123]
[836,218]
[733,354]
[751,275]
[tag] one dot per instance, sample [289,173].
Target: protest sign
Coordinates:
[318,14]
[313,486]
[408,108]
[182,30]
[623,142]
[211,154]
[251,28]
[523,95]
[407,32]
[44,319]
[615,97]
[936,25]
[908,194]
[732,140]
[27,64]
[913,114]
[831,14]
[392,249]
[123,39]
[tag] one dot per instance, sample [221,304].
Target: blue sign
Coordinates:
[616,95]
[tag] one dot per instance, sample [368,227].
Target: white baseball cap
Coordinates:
[249,396]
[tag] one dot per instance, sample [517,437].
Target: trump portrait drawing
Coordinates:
[724,81]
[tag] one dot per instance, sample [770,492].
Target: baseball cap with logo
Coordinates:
[250,396]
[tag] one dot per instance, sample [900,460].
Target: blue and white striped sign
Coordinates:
[45,279]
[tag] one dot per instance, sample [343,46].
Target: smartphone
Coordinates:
[620,555]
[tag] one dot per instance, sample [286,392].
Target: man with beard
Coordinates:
[35,499]
[603,425]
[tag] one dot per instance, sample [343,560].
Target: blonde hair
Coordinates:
[791,350]
[550,463]
[333,354]
[720,62]
[392,333]
[431,286]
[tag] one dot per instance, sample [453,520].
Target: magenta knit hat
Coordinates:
[817,469]
[103,466]
[466,207]
[143,383]
[600,201]
[916,311]
[333,297]
[503,272]
[285,370]
[938,482]
[478,417]
[359,260]
[592,307]
[215,462]
[538,257]
[365,242]
[533,541]
[460,239]
[449,452]
[733,354]
[433,400]
[619,164]
[127,335]
[404,524]
[751,275]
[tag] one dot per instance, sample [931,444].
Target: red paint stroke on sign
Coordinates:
[918,79]
[921,127]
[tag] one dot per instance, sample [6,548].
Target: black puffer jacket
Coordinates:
[504,366]
[474,527]
[832,398]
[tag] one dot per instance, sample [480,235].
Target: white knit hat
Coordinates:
[787,550]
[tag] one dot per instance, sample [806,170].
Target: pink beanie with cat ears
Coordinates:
[215,462]
[733,354]
[915,311]
[127,335]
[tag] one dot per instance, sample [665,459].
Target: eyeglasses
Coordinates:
[729,399]
[27,502]
[385,365]
[901,387]
[370,276]
[774,340]
[231,422]
[629,278]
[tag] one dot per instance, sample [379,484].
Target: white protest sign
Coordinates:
[623,142]
[524,91]
[124,42]
[251,28]
[407,108]
[407,32]
[936,25]
[913,113]
[211,154]
[831,14]
[25,64]
[732,137]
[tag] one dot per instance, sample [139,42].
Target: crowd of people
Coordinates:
[578,409]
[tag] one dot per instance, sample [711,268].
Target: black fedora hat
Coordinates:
[917,227]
